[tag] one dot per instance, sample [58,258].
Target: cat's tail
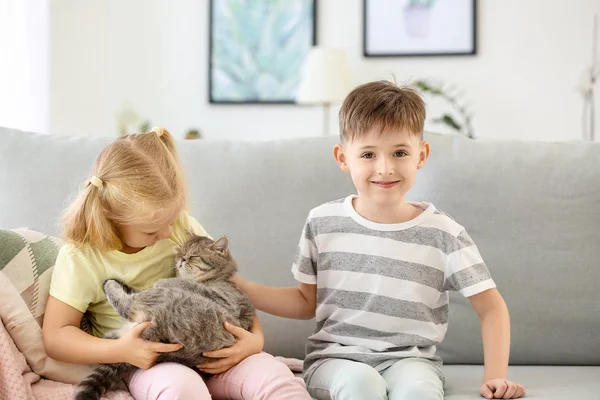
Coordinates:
[104,378]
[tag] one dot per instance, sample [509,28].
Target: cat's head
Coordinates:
[203,259]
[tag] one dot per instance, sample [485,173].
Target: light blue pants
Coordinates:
[407,379]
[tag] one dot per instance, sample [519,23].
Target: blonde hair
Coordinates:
[382,105]
[137,179]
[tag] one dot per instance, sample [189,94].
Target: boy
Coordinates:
[375,270]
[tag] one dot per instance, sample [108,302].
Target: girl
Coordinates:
[125,224]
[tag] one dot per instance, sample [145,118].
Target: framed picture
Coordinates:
[419,28]
[258,48]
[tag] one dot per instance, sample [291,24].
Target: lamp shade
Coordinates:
[325,77]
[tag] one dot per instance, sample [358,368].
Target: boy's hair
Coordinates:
[135,179]
[381,105]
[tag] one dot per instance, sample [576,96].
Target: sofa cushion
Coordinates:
[26,261]
[541,382]
[533,209]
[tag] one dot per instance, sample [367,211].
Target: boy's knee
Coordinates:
[422,389]
[358,381]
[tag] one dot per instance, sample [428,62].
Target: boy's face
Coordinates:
[383,166]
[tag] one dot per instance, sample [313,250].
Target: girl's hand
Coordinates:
[142,353]
[501,389]
[247,344]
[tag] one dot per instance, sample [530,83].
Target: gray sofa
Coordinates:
[533,208]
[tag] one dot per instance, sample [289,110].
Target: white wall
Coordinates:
[24,75]
[153,54]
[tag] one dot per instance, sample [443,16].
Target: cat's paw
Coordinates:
[112,284]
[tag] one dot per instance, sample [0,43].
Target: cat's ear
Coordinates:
[221,245]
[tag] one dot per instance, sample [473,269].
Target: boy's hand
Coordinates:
[247,344]
[142,353]
[236,279]
[501,389]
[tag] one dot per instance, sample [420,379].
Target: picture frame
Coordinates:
[398,28]
[257,49]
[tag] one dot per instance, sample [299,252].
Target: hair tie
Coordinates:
[159,131]
[94,180]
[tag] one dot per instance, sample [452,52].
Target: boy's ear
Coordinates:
[424,155]
[340,157]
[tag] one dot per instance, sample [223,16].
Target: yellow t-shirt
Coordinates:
[80,272]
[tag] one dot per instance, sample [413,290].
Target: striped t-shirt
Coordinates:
[382,289]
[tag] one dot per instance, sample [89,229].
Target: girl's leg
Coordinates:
[167,381]
[258,377]
[338,379]
[415,378]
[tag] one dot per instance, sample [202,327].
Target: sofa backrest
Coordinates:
[533,209]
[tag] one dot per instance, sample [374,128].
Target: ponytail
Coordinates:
[85,221]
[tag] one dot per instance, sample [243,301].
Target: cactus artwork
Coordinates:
[257,49]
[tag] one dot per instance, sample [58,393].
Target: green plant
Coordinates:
[463,127]
[130,122]
[145,126]
[193,134]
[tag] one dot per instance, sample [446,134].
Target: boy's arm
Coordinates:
[495,331]
[288,302]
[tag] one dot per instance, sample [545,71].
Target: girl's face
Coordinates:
[138,236]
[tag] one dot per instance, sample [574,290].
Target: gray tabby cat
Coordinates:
[189,309]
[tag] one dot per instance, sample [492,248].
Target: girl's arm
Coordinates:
[65,341]
[288,302]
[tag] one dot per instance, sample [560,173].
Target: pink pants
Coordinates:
[258,377]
